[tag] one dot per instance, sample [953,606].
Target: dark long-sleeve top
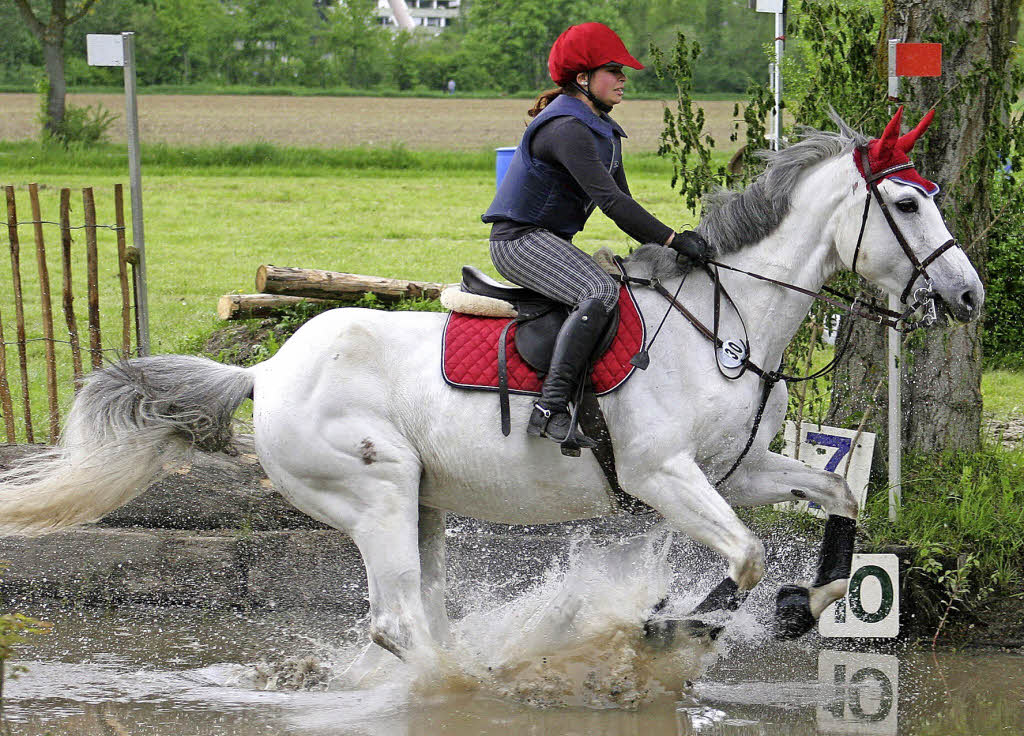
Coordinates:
[568,143]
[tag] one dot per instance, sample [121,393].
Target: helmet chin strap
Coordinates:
[587,93]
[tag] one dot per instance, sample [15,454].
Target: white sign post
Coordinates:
[119,50]
[778,7]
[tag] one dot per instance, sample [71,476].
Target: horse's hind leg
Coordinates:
[387,540]
[432,571]
[366,484]
[780,478]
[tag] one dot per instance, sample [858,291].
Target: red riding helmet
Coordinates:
[585,47]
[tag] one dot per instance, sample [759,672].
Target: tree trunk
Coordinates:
[53,54]
[942,367]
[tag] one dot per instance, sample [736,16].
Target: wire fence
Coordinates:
[28,370]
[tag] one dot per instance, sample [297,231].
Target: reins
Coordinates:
[924,295]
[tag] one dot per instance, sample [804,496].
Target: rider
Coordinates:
[569,160]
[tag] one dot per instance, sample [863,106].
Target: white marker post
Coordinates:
[778,7]
[119,50]
[905,60]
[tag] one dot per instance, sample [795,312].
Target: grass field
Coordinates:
[451,124]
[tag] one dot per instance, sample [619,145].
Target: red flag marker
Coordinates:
[919,60]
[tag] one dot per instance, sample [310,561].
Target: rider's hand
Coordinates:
[691,246]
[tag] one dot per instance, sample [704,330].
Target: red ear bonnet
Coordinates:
[892,149]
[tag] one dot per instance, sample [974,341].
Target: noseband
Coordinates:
[924,295]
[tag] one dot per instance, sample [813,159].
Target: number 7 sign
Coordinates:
[835,450]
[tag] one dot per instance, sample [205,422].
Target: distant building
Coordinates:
[431,16]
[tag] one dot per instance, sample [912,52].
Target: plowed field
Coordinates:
[339,122]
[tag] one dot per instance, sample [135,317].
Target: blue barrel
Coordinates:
[503,157]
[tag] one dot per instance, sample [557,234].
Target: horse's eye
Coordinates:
[907,205]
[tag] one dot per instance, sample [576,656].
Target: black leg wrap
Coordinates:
[836,556]
[793,616]
[662,634]
[726,596]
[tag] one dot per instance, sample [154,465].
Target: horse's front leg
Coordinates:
[680,491]
[777,478]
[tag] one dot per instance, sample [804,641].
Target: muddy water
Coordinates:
[563,657]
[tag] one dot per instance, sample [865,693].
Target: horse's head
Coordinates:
[895,235]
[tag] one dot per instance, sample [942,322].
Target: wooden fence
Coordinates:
[63,228]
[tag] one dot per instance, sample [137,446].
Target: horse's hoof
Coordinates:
[663,634]
[793,617]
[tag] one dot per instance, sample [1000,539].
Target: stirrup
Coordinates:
[573,441]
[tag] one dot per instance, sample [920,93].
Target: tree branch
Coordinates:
[30,18]
[86,7]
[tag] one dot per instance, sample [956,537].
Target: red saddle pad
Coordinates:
[469,355]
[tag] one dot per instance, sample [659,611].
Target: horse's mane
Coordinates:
[734,219]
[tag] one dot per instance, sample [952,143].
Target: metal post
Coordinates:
[895,359]
[895,418]
[780,47]
[135,182]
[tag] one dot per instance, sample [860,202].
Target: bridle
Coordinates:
[925,294]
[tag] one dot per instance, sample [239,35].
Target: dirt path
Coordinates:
[331,122]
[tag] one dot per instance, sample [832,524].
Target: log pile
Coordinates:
[281,287]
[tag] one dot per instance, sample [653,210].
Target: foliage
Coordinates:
[834,64]
[1004,292]
[81,125]
[963,514]
[14,628]
[683,140]
[492,46]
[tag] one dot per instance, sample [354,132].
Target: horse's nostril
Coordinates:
[967,299]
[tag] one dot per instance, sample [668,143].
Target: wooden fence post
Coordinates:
[19,309]
[6,404]
[92,266]
[122,272]
[69,298]
[47,313]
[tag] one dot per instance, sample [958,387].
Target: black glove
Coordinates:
[691,246]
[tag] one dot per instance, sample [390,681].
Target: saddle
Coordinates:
[538,319]
[477,354]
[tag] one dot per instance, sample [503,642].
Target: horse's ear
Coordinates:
[906,142]
[891,136]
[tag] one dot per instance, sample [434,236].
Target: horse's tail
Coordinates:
[130,423]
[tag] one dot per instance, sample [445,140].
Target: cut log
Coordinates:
[309,282]
[247,306]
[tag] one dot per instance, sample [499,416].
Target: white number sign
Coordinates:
[836,450]
[866,693]
[871,608]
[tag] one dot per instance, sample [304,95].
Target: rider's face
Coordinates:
[606,83]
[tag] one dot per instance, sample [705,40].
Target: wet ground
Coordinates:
[562,657]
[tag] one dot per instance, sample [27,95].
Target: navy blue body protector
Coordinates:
[538,193]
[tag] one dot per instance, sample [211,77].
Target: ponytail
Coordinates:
[546,98]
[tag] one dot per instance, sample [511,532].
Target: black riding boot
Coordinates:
[574,345]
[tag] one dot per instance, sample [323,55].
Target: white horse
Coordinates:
[355,426]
